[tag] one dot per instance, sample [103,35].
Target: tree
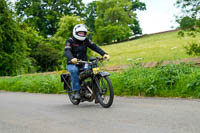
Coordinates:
[190,19]
[91,16]
[44,15]
[137,5]
[66,25]
[64,32]
[13,55]
[189,22]
[31,36]
[113,20]
[48,58]
[136,29]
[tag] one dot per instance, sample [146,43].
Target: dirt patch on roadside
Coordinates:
[196,61]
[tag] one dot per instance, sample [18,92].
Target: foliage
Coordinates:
[111,33]
[113,20]
[13,55]
[48,58]
[181,80]
[32,39]
[193,49]
[91,13]
[91,16]
[190,19]
[137,5]
[172,80]
[64,32]
[190,22]
[32,83]
[44,15]
[136,27]
[31,36]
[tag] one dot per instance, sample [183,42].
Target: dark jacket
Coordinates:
[78,49]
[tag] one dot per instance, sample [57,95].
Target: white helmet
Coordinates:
[79,28]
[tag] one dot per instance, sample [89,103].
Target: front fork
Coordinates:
[96,86]
[96,81]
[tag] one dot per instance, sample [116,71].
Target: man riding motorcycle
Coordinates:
[76,49]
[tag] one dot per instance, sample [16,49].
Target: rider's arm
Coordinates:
[68,48]
[95,48]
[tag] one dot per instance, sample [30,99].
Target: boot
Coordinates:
[96,101]
[77,95]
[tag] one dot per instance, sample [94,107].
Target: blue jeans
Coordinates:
[74,71]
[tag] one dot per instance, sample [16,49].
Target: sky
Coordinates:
[158,17]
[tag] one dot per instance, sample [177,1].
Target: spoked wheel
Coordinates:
[71,94]
[105,93]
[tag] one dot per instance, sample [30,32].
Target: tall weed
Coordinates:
[33,84]
[181,80]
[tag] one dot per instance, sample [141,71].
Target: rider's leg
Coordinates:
[74,71]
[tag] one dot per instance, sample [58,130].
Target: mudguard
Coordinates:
[103,74]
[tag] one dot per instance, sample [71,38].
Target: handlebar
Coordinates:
[97,59]
[83,62]
[88,62]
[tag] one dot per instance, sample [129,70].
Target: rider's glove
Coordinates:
[106,56]
[74,60]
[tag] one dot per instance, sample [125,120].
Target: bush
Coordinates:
[172,80]
[47,58]
[13,49]
[193,49]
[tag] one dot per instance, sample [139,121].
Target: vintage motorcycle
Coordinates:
[95,84]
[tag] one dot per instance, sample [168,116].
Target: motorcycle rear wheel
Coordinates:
[71,95]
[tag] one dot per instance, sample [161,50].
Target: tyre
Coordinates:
[105,92]
[71,94]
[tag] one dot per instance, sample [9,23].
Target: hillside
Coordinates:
[158,47]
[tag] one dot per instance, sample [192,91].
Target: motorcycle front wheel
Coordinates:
[105,93]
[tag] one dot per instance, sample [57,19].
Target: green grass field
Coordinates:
[158,47]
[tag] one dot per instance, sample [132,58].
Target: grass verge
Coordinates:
[181,80]
[32,83]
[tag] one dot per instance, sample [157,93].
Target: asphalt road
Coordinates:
[39,113]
